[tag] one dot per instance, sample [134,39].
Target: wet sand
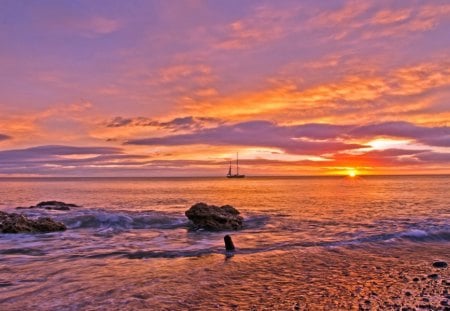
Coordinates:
[378,277]
[349,278]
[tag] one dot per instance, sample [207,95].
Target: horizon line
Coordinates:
[220,176]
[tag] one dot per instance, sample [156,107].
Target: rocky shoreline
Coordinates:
[51,205]
[17,223]
[201,215]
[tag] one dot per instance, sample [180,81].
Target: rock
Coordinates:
[440,264]
[433,276]
[211,217]
[229,246]
[16,223]
[5,284]
[52,205]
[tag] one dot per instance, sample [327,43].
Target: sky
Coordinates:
[177,88]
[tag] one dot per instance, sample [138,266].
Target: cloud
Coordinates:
[264,24]
[293,139]
[388,16]
[88,26]
[432,136]
[434,157]
[363,92]
[4,137]
[53,152]
[184,71]
[306,139]
[176,124]
[102,25]
[357,20]
[58,159]
[403,21]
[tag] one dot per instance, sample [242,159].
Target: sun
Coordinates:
[352,172]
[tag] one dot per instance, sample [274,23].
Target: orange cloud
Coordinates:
[176,72]
[264,25]
[47,125]
[365,96]
[365,21]
[384,17]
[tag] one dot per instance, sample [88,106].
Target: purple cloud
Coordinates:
[433,136]
[50,159]
[177,124]
[52,151]
[4,137]
[434,157]
[293,139]
[300,139]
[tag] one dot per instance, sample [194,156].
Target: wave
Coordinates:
[122,220]
[112,221]
[23,251]
[412,235]
[423,236]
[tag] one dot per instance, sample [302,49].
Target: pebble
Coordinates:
[440,264]
[5,284]
[433,276]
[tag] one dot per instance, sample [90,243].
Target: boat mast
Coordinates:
[237,163]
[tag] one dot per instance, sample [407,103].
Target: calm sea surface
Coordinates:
[129,247]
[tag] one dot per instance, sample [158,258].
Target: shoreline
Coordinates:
[374,277]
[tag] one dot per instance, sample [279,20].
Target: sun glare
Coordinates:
[352,172]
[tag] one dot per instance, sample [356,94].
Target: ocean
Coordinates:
[308,243]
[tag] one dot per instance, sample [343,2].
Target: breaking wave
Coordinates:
[122,220]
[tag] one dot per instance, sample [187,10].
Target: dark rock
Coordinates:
[408,294]
[17,223]
[5,284]
[229,246]
[440,264]
[211,217]
[52,205]
[433,276]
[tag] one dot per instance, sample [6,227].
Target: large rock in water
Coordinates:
[17,223]
[211,217]
[52,205]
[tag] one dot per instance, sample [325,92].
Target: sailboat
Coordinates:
[237,175]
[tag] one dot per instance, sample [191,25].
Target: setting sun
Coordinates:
[352,172]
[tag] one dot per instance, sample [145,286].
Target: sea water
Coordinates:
[305,242]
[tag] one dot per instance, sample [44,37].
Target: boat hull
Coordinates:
[235,176]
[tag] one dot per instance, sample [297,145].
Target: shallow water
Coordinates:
[129,247]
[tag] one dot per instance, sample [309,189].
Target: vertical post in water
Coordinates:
[229,246]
